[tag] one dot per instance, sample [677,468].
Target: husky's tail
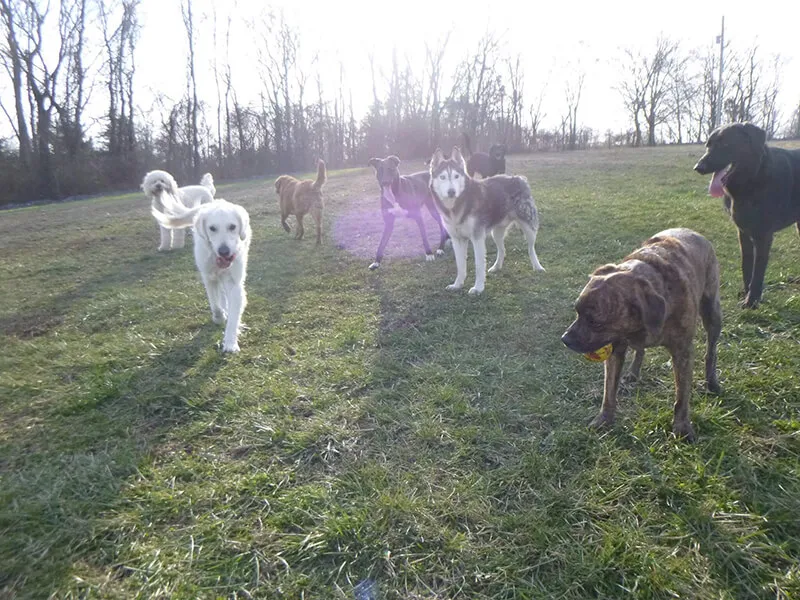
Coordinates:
[467,145]
[173,214]
[322,175]
[207,181]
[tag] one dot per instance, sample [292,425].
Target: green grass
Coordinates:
[376,429]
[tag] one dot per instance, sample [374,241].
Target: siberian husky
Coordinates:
[471,208]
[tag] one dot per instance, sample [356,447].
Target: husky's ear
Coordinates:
[244,222]
[393,161]
[456,156]
[437,158]
[375,163]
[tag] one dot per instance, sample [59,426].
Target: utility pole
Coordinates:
[721,42]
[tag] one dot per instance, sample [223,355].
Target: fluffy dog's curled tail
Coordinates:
[322,175]
[467,145]
[173,214]
[207,181]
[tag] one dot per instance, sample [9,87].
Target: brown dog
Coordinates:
[652,298]
[300,197]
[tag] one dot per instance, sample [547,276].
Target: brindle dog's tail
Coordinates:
[322,175]
[467,145]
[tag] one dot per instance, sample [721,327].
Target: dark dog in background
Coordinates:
[404,196]
[652,298]
[493,163]
[761,186]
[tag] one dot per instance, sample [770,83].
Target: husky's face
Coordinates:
[387,171]
[448,176]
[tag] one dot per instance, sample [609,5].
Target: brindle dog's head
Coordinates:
[498,151]
[615,306]
[738,147]
[387,172]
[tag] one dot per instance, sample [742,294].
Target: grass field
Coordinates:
[379,437]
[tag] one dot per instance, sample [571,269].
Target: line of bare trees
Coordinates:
[671,94]
[56,65]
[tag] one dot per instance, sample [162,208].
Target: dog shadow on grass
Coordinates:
[63,468]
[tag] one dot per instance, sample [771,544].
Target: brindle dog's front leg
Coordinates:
[613,368]
[682,370]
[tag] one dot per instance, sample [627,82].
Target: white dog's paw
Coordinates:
[454,286]
[430,257]
[494,269]
[474,291]
[230,346]
[439,252]
[374,266]
[218,316]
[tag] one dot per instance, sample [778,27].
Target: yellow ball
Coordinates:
[600,355]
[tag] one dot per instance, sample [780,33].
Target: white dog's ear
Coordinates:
[244,222]
[200,226]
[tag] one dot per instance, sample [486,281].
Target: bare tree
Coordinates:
[188,21]
[645,88]
[572,95]
[12,61]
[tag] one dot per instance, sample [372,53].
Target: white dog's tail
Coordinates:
[207,181]
[173,214]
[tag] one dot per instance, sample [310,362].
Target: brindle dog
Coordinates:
[404,196]
[653,298]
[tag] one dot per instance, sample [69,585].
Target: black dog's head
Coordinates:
[738,147]
[498,152]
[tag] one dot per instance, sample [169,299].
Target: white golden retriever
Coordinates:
[158,183]
[221,242]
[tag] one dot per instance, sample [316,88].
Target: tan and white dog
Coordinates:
[159,183]
[471,208]
[221,243]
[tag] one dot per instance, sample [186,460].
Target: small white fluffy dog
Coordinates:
[158,183]
[221,242]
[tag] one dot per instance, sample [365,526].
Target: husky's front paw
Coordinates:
[163,248]
[474,291]
[374,266]
[454,286]
[430,258]
[218,316]
[494,269]
[440,252]
[230,346]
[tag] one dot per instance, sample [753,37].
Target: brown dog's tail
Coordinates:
[322,175]
[467,145]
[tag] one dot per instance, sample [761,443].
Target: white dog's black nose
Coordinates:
[451,192]
[224,250]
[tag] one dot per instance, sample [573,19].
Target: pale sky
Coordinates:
[555,41]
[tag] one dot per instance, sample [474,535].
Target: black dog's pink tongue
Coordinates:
[225,262]
[715,188]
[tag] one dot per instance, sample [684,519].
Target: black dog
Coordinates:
[761,186]
[404,195]
[487,165]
